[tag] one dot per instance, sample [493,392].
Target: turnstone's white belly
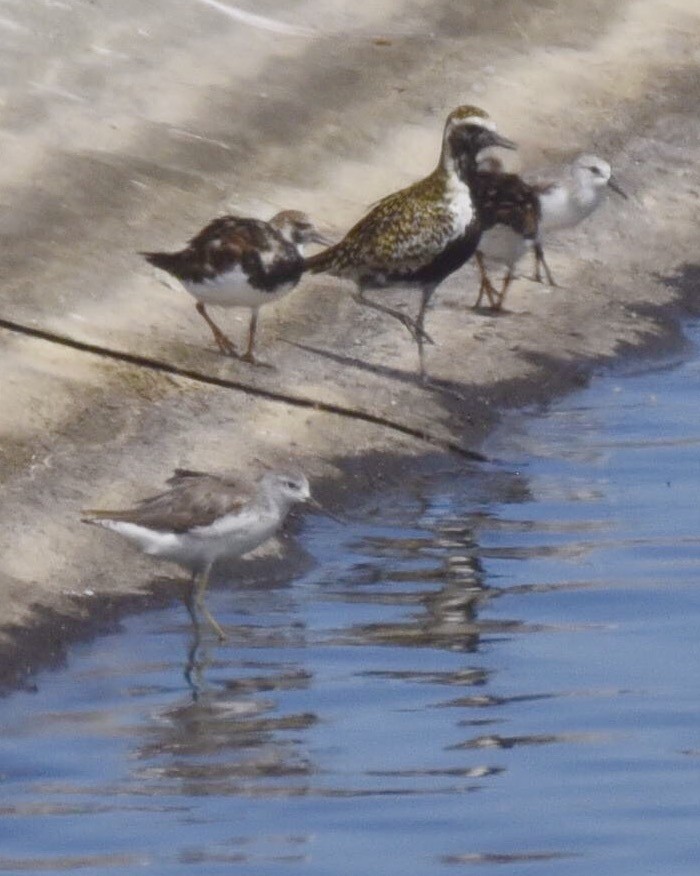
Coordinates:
[502,244]
[233,289]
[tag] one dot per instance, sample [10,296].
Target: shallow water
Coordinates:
[482,668]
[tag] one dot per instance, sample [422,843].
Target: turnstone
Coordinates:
[204,518]
[239,262]
[569,197]
[509,210]
[420,234]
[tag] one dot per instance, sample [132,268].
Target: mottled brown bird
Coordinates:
[421,234]
[239,262]
[509,210]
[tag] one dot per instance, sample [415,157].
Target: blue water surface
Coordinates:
[492,668]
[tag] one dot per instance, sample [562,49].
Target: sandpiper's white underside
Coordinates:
[228,537]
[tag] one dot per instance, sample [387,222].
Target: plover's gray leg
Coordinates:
[223,342]
[405,320]
[200,592]
[541,261]
[426,295]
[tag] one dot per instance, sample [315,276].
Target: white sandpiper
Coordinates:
[569,197]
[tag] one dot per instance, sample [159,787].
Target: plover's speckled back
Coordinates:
[423,233]
[239,262]
[205,518]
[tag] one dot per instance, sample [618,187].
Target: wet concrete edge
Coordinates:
[45,643]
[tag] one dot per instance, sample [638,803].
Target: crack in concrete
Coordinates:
[299,401]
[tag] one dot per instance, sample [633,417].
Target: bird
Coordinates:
[525,208]
[510,211]
[421,234]
[236,261]
[569,196]
[204,518]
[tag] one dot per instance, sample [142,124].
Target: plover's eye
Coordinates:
[596,170]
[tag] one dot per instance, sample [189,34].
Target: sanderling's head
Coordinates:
[594,172]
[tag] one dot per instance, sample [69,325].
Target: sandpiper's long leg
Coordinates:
[540,260]
[223,342]
[405,320]
[192,671]
[200,592]
[426,295]
[485,286]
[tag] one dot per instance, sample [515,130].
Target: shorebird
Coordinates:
[568,197]
[421,234]
[509,210]
[239,262]
[204,518]
[518,212]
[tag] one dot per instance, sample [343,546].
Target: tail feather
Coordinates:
[166,261]
[96,517]
[323,261]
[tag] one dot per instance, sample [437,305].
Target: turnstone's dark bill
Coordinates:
[205,518]
[423,233]
[239,262]
[509,210]
[569,196]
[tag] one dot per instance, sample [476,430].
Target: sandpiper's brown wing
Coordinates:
[181,474]
[228,242]
[401,234]
[195,500]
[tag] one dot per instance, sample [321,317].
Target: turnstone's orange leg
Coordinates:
[249,356]
[540,260]
[405,320]
[485,286]
[224,343]
[508,279]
